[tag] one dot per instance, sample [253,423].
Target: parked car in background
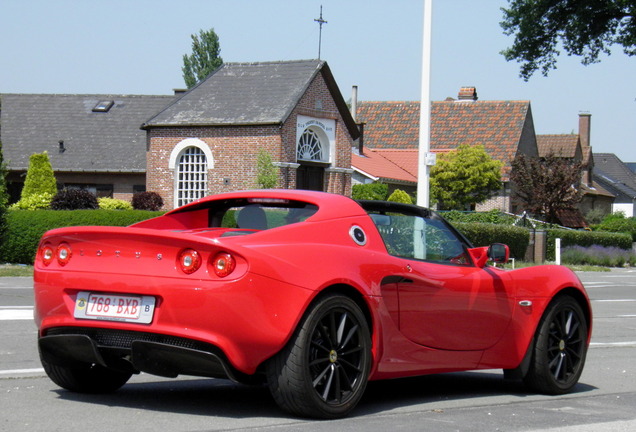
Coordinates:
[312,293]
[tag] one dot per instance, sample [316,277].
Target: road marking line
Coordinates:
[615,300]
[21,371]
[612,344]
[16,314]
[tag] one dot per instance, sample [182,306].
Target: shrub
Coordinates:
[492,216]
[40,177]
[370,191]
[399,196]
[33,202]
[598,256]
[150,201]
[483,234]
[617,222]
[106,203]
[25,228]
[585,239]
[74,199]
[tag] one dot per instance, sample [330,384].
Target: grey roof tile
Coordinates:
[242,94]
[109,141]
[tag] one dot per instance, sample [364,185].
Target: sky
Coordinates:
[137,47]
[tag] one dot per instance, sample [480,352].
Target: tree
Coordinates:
[465,176]
[267,173]
[39,185]
[204,58]
[547,185]
[585,28]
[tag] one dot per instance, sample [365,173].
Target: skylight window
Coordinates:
[103,106]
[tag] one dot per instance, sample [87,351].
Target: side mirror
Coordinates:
[499,253]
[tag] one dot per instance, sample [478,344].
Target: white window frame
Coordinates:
[198,177]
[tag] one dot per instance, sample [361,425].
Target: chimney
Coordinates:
[467,94]
[585,120]
[354,103]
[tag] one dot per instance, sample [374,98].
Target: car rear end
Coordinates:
[159,301]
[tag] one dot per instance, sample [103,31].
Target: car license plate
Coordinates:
[114,307]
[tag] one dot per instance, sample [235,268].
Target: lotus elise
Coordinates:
[309,293]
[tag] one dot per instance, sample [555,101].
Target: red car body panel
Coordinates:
[424,317]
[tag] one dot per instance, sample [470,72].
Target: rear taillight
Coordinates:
[189,261]
[64,254]
[47,254]
[223,264]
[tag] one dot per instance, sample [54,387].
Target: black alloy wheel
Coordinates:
[560,348]
[323,371]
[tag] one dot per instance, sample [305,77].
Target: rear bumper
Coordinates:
[135,352]
[243,322]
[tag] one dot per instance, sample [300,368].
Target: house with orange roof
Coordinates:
[504,128]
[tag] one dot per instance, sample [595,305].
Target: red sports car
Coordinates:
[311,293]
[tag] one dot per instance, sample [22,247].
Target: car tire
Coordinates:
[560,348]
[86,378]
[323,370]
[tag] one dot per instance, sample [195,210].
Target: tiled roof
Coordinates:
[561,145]
[497,125]
[388,164]
[94,141]
[398,165]
[250,94]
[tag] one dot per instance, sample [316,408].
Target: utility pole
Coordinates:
[320,21]
[426,159]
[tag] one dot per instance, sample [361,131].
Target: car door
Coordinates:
[444,300]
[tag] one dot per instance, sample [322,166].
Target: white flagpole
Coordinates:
[425,158]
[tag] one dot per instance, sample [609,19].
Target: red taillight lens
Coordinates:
[189,261]
[47,253]
[64,254]
[223,264]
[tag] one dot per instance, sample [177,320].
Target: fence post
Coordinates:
[557,251]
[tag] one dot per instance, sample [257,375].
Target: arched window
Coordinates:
[191,176]
[190,161]
[309,147]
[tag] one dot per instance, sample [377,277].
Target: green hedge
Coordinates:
[484,234]
[585,239]
[25,227]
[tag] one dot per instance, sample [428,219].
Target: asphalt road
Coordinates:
[604,400]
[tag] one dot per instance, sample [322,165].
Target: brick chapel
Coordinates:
[208,140]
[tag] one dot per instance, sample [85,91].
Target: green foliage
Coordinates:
[34,202]
[483,234]
[74,199]
[204,58]
[585,239]
[585,28]
[267,173]
[400,196]
[39,183]
[106,203]
[491,216]
[25,228]
[465,176]
[4,196]
[148,200]
[370,191]
[40,177]
[617,222]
